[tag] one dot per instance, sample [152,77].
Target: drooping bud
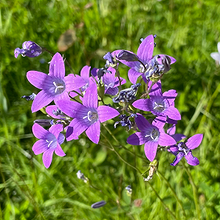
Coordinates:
[125,55]
[98,204]
[44,122]
[29,49]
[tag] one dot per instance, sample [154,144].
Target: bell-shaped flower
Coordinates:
[49,142]
[159,104]
[183,149]
[151,135]
[55,86]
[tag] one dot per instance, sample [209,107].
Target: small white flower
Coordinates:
[216,55]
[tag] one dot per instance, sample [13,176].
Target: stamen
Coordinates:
[59,86]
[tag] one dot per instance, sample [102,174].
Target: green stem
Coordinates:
[195,194]
[172,190]
[161,200]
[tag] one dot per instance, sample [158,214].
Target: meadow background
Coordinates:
[187,30]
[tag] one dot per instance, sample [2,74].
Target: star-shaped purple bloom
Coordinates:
[87,116]
[29,49]
[184,150]
[49,142]
[55,86]
[159,104]
[151,135]
[145,60]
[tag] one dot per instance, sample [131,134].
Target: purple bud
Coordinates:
[98,204]
[44,122]
[29,49]
[125,55]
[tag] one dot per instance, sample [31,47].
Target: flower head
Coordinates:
[87,116]
[49,142]
[55,86]
[144,64]
[151,135]
[159,104]
[29,49]
[216,55]
[183,149]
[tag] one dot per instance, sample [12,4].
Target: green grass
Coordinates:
[186,30]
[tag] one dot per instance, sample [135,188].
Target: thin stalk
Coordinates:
[195,194]
[172,190]
[161,200]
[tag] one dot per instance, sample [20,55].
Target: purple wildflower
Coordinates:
[55,86]
[159,104]
[151,135]
[111,82]
[125,121]
[49,142]
[29,49]
[143,63]
[87,116]
[183,149]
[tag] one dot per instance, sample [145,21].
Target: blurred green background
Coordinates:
[187,30]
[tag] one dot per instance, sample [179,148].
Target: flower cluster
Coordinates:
[79,103]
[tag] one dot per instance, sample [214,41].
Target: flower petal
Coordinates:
[136,139]
[215,56]
[57,67]
[191,160]
[70,108]
[133,75]
[56,129]
[84,73]
[37,79]
[47,157]
[177,159]
[142,104]
[74,82]
[60,138]
[146,48]
[39,147]
[59,151]
[172,113]
[150,149]
[93,132]
[106,113]
[90,98]
[166,140]
[41,100]
[78,127]
[194,141]
[39,132]
[142,122]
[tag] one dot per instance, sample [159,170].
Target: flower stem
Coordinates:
[161,200]
[195,194]
[171,188]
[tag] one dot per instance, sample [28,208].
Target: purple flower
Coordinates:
[184,150]
[159,104]
[49,142]
[29,49]
[55,86]
[143,64]
[151,135]
[110,81]
[87,116]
